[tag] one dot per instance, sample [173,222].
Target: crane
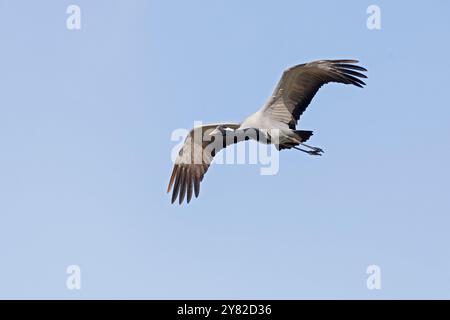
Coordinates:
[275,123]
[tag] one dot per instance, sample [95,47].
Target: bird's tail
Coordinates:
[300,137]
[303,135]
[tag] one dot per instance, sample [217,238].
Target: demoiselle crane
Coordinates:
[275,123]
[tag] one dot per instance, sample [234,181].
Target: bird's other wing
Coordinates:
[194,159]
[300,83]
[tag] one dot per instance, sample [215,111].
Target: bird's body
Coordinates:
[259,120]
[267,128]
[275,123]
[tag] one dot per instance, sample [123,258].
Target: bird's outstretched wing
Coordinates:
[300,83]
[194,159]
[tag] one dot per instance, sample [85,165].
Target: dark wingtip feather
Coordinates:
[176,187]
[349,66]
[172,177]
[189,185]
[359,81]
[197,179]
[344,61]
[196,188]
[353,73]
[182,185]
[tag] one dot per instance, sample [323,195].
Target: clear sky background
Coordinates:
[85,123]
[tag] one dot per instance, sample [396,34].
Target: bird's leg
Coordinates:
[311,152]
[316,149]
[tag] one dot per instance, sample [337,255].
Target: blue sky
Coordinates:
[85,123]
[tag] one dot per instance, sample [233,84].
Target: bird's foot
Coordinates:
[316,152]
[318,149]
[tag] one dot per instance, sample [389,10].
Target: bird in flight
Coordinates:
[275,123]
